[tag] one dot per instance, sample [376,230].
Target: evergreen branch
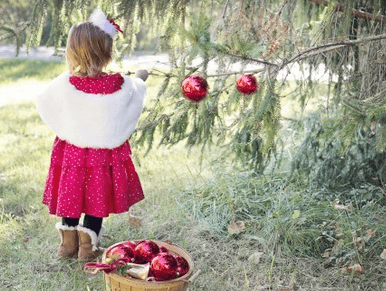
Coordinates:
[5,36]
[167,75]
[351,107]
[357,13]
[153,123]
[250,59]
[329,47]
[8,29]
[375,98]
[236,73]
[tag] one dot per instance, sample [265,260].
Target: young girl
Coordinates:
[93,114]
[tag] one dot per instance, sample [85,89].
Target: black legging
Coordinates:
[90,222]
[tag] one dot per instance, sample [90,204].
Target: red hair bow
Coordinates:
[116,25]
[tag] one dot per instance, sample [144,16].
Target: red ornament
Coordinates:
[130,245]
[164,267]
[122,251]
[162,249]
[182,265]
[247,84]
[145,251]
[194,87]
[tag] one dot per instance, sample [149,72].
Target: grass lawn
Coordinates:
[244,232]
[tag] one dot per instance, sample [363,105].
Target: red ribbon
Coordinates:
[94,268]
[116,25]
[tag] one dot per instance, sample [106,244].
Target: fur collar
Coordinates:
[91,120]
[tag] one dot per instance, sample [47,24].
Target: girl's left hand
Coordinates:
[142,74]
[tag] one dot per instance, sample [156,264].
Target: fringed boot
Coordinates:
[89,243]
[69,240]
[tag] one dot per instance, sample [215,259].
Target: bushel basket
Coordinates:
[115,282]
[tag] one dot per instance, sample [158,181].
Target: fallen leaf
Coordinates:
[339,235]
[296,214]
[135,221]
[383,255]
[235,227]
[371,233]
[255,257]
[26,239]
[354,268]
[343,207]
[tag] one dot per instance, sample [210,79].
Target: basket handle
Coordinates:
[194,277]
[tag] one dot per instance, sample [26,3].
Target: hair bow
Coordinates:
[116,25]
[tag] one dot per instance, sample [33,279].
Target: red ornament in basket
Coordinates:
[194,87]
[247,84]
[182,265]
[130,245]
[121,251]
[164,267]
[145,251]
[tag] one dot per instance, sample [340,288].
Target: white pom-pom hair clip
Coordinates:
[98,18]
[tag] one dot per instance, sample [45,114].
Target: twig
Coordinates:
[225,9]
[251,59]
[352,108]
[357,13]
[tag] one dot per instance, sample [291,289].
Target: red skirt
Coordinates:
[96,182]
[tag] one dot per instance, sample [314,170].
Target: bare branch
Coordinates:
[331,46]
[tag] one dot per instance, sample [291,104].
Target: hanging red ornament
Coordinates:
[247,84]
[163,249]
[164,267]
[145,251]
[182,265]
[194,87]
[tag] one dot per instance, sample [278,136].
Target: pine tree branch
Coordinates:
[316,50]
[6,36]
[250,59]
[329,47]
[352,108]
[8,29]
[357,13]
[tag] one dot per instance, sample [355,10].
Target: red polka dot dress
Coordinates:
[93,181]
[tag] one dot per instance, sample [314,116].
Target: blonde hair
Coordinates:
[89,49]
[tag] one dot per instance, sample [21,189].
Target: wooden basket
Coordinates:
[115,282]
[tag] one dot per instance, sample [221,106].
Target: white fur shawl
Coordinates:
[91,120]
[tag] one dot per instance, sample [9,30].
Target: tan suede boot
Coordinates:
[89,243]
[69,244]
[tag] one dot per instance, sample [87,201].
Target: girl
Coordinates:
[93,114]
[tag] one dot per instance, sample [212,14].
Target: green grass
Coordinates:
[192,205]
[12,70]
